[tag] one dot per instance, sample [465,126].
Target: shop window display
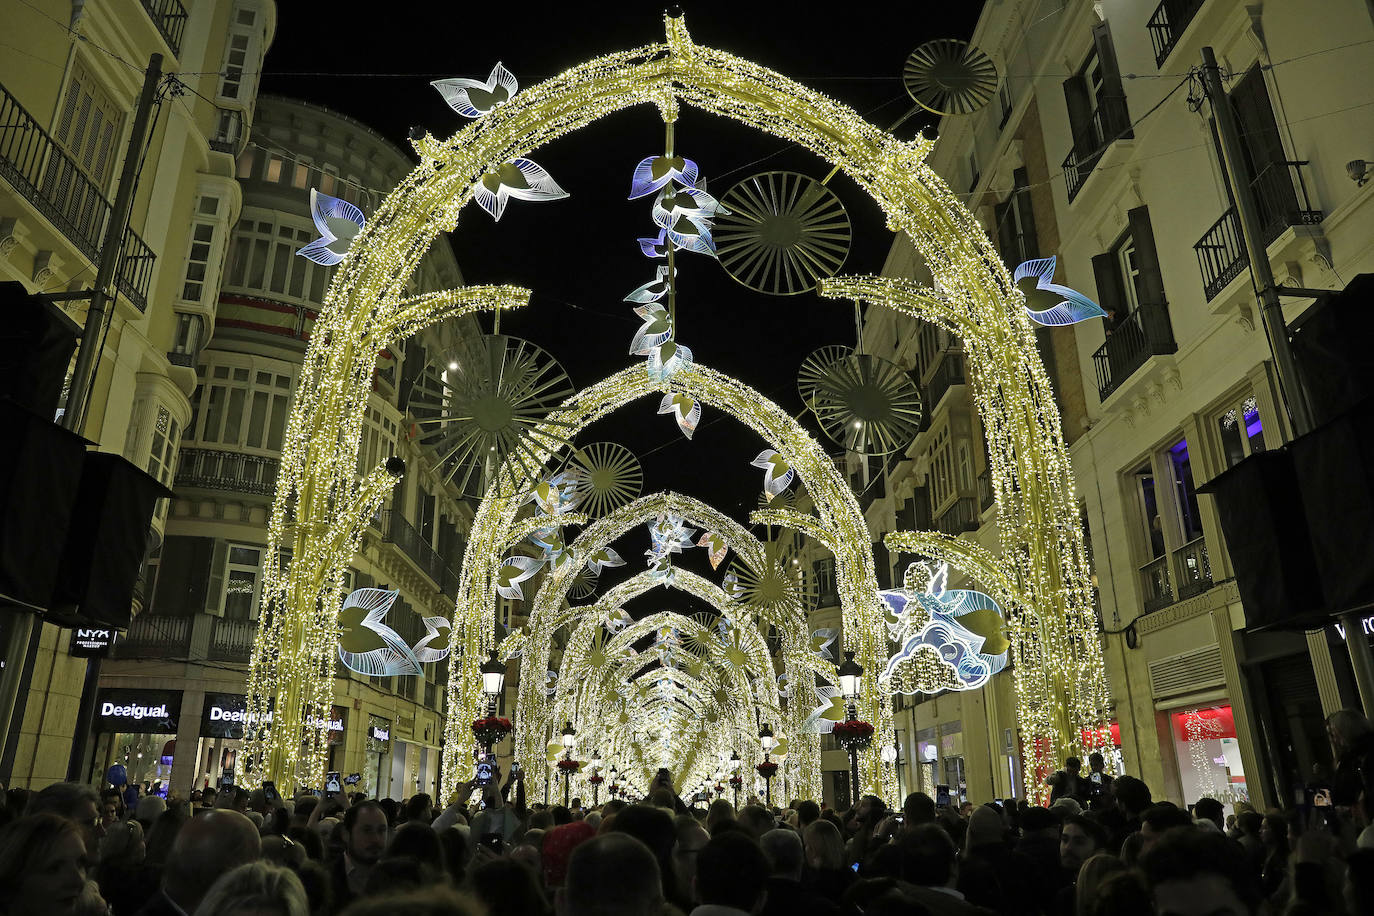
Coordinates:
[1208,754]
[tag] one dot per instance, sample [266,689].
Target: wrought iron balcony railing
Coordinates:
[1154,584]
[1168,24]
[50,180]
[1281,195]
[1143,333]
[232,640]
[152,635]
[1109,121]
[398,531]
[210,469]
[170,18]
[948,373]
[960,517]
[985,496]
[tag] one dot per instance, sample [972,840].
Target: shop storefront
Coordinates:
[222,724]
[1207,753]
[138,728]
[377,770]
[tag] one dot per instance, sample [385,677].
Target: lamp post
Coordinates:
[493,680]
[768,742]
[595,764]
[734,776]
[851,675]
[569,739]
[612,788]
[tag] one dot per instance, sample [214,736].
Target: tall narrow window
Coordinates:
[237,82]
[1242,431]
[87,126]
[242,579]
[200,259]
[1185,494]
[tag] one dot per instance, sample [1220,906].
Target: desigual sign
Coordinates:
[151,712]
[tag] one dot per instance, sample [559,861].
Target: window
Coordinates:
[274,168]
[1016,240]
[823,572]
[163,448]
[1096,104]
[1185,494]
[248,161]
[1128,274]
[1148,506]
[87,126]
[186,341]
[262,259]
[973,169]
[1242,431]
[301,177]
[965,467]
[242,580]
[379,439]
[201,255]
[238,406]
[329,180]
[1004,98]
[237,82]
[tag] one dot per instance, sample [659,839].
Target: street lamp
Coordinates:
[768,742]
[734,775]
[493,679]
[569,739]
[851,675]
[595,764]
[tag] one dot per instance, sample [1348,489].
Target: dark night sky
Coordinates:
[579,255]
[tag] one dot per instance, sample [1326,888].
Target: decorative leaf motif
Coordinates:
[655,172]
[604,558]
[366,644]
[1048,303]
[433,646]
[674,203]
[655,247]
[338,223]
[514,571]
[777,473]
[716,547]
[654,290]
[474,98]
[522,179]
[656,329]
[685,409]
[667,359]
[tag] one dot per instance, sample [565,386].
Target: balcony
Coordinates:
[1154,584]
[170,18]
[1192,569]
[1108,122]
[229,135]
[232,640]
[985,495]
[948,373]
[1143,333]
[1281,196]
[209,469]
[960,517]
[1167,25]
[48,178]
[396,530]
[152,636]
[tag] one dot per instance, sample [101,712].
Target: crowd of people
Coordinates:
[1102,846]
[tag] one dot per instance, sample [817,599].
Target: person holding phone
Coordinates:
[496,817]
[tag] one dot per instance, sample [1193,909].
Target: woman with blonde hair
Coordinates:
[43,867]
[256,889]
[1094,873]
[825,873]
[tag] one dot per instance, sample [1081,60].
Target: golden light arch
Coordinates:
[837,511]
[321,505]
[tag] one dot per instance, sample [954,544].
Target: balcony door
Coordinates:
[1261,147]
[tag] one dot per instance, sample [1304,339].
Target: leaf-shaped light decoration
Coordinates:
[777,473]
[655,247]
[716,547]
[654,290]
[668,358]
[674,203]
[656,329]
[474,98]
[603,558]
[655,172]
[669,533]
[366,644]
[512,572]
[1048,303]
[660,568]
[692,233]
[338,222]
[730,585]
[523,179]
[618,620]
[822,640]
[556,497]
[433,646]
[684,408]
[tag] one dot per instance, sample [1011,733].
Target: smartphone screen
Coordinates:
[483,773]
[855,866]
[269,792]
[331,783]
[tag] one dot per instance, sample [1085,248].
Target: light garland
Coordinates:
[1060,680]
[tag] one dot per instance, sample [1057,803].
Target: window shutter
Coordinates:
[1080,116]
[1150,283]
[1006,231]
[1116,121]
[1107,275]
[1021,198]
[213,597]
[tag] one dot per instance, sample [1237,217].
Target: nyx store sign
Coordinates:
[92,642]
[145,712]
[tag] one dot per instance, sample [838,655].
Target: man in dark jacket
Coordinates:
[365,834]
[786,897]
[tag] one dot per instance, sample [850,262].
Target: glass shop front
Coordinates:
[137,728]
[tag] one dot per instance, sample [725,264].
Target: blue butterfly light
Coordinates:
[338,223]
[1048,303]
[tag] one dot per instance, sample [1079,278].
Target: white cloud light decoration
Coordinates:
[959,630]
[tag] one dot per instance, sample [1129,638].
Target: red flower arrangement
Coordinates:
[767,769]
[853,735]
[719,788]
[569,766]
[736,781]
[596,779]
[491,729]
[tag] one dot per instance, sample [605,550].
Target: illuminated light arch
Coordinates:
[1061,683]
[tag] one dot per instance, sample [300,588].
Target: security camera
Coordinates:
[1358,170]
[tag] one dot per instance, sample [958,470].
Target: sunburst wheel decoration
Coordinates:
[950,77]
[865,403]
[611,477]
[784,232]
[481,405]
[583,584]
[775,594]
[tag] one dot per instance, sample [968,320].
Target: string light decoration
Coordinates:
[321,506]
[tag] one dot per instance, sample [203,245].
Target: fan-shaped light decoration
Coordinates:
[474,98]
[774,593]
[950,77]
[863,402]
[338,223]
[1049,303]
[523,179]
[366,644]
[784,232]
[485,403]
[583,585]
[611,477]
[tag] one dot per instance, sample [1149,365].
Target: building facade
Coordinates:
[1177,384]
[190,646]
[70,79]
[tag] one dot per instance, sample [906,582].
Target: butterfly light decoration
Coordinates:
[777,473]
[1049,303]
[338,223]
[474,98]
[369,646]
[652,291]
[522,179]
